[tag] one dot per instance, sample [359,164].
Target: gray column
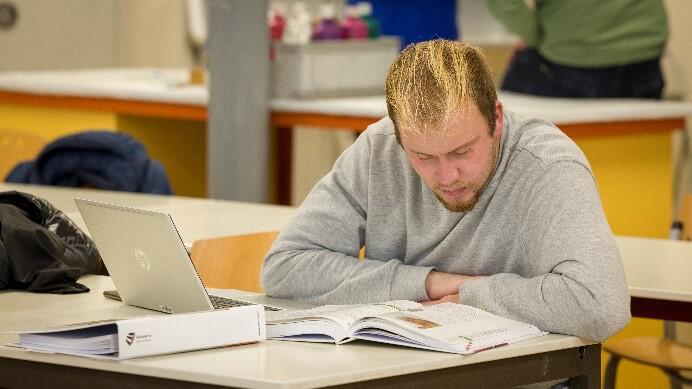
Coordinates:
[238,122]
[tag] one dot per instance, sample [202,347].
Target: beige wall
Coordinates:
[60,35]
[69,34]
[152,33]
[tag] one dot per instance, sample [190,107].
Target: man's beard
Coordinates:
[476,190]
[462,206]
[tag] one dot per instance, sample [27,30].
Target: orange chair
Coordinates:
[16,147]
[664,353]
[232,262]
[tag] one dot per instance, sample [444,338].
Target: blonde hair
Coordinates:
[430,80]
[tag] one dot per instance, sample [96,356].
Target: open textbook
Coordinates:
[448,327]
[150,335]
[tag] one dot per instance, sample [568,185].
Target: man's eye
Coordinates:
[461,153]
[424,157]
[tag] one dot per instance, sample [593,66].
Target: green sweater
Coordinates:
[588,33]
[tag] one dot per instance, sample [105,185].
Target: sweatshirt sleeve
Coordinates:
[517,18]
[580,288]
[315,257]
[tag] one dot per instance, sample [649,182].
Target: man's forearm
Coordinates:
[325,277]
[554,302]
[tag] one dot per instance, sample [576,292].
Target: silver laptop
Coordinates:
[147,260]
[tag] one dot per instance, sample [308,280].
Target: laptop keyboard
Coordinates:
[219,302]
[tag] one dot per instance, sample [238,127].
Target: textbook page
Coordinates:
[446,327]
[328,323]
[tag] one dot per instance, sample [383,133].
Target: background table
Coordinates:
[628,142]
[157,106]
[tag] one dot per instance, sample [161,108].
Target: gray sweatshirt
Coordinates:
[538,234]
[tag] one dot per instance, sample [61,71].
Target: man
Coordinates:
[454,200]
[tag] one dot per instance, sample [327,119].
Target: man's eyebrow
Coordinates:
[416,151]
[463,146]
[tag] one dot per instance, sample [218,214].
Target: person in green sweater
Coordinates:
[585,48]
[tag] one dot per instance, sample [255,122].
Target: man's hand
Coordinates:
[440,285]
[452,298]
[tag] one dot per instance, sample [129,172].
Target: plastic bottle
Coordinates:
[328,26]
[354,26]
[365,13]
[675,230]
[298,28]
[277,21]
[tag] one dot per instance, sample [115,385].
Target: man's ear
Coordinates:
[499,118]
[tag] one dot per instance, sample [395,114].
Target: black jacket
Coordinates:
[41,249]
[95,159]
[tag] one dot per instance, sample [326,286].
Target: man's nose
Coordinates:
[447,173]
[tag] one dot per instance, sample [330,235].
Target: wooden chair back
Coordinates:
[232,261]
[17,146]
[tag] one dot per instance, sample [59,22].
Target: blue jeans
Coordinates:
[530,73]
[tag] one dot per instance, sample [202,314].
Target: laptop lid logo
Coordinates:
[142,259]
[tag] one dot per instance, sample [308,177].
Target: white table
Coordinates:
[659,277]
[556,110]
[170,86]
[270,364]
[157,92]
[195,218]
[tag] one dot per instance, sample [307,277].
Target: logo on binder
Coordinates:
[132,337]
[142,259]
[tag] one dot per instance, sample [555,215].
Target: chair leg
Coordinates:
[610,372]
[676,379]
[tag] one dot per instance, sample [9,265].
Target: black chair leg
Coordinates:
[610,372]
[676,379]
